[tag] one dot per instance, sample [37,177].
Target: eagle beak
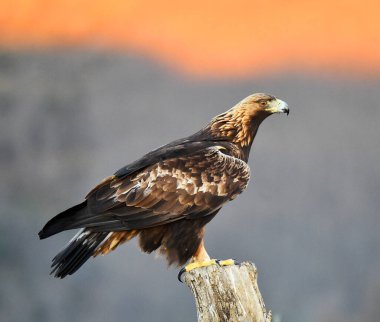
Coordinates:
[278,106]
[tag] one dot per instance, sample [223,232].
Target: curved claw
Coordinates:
[183,270]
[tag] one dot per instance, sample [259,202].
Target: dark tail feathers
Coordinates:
[62,221]
[80,248]
[77,252]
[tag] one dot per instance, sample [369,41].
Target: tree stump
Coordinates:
[227,293]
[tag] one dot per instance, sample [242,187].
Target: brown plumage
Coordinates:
[169,195]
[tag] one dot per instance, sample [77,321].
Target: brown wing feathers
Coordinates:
[165,192]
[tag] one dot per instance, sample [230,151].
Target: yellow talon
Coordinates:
[226,262]
[194,265]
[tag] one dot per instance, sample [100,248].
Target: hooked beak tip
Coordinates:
[283,107]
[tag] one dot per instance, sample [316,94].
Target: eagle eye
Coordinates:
[263,103]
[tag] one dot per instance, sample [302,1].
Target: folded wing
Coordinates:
[184,187]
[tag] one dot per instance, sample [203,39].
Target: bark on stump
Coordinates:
[227,293]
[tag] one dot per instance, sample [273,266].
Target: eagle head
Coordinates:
[264,104]
[240,123]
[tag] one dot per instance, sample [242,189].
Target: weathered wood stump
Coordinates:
[227,293]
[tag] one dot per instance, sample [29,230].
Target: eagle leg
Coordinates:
[202,259]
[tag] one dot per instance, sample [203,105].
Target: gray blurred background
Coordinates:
[309,219]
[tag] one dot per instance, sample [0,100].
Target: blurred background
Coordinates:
[89,86]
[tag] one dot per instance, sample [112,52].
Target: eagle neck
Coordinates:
[238,125]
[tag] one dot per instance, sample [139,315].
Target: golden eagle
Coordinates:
[168,196]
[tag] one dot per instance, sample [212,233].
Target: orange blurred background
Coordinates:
[207,38]
[87,87]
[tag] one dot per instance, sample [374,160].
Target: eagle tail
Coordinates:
[80,248]
[63,221]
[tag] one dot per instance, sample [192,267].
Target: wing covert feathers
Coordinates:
[170,190]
